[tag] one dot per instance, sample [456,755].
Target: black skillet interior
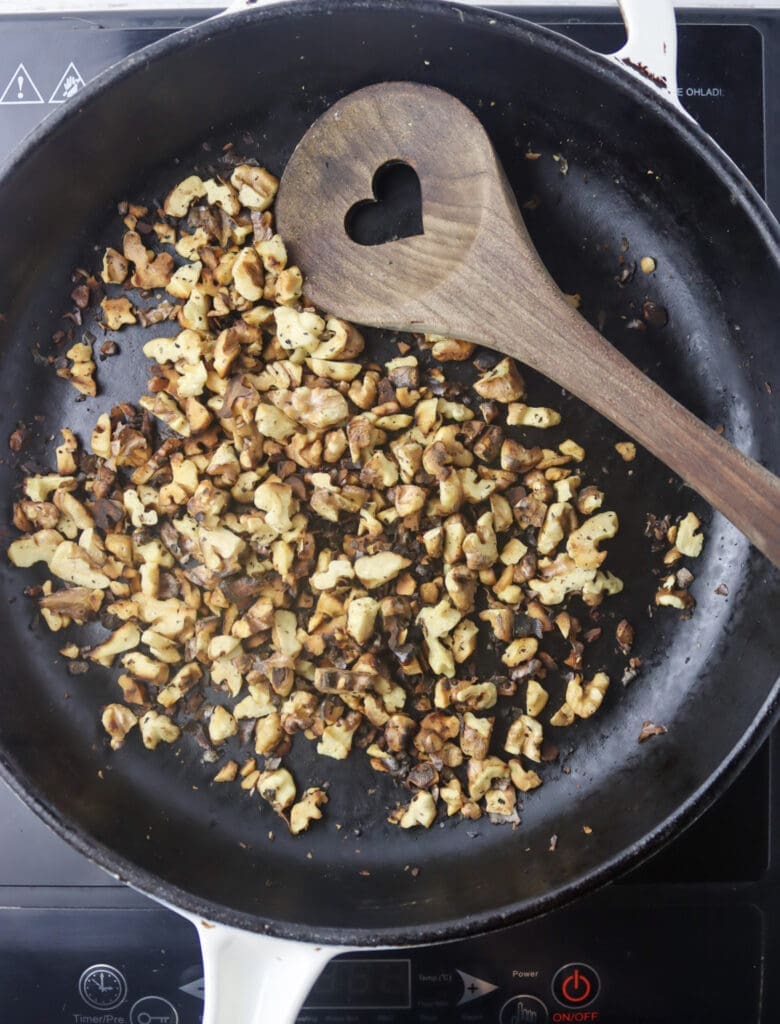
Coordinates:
[633,172]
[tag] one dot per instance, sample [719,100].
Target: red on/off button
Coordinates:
[575,985]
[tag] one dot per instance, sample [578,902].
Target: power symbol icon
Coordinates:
[576,988]
[575,985]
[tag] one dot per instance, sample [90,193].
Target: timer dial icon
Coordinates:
[102,987]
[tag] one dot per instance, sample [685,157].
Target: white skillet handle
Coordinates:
[233,7]
[256,979]
[650,53]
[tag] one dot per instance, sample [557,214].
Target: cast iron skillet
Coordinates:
[637,170]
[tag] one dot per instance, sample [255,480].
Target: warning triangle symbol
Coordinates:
[21,88]
[70,83]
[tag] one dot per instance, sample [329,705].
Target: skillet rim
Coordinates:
[768,229]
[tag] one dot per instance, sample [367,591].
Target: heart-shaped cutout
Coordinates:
[394,212]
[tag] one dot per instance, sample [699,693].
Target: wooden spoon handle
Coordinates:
[578,358]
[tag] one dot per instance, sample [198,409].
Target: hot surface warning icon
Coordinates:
[68,85]
[21,88]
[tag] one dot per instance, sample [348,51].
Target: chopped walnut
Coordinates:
[334,541]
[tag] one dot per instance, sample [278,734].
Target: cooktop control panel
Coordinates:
[692,964]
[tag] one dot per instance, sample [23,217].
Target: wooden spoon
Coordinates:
[474,274]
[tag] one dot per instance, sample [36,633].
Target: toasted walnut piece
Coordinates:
[133,691]
[477,696]
[475,736]
[189,246]
[680,599]
[157,728]
[589,500]
[248,275]
[375,570]
[115,267]
[256,186]
[184,280]
[344,341]
[480,547]
[117,312]
[273,253]
[222,195]
[525,737]
[150,271]
[65,453]
[602,585]
[563,717]
[178,201]
[361,618]
[336,739]
[268,733]
[222,725]
[501,384]
[146,668]
[379,471]
[449,350]
[501,800]
[464,641]
[39,487]
[80,372]
[100,439]
[452,795]
[626,450]
[520,650]
[572,449]
[339,570]
[522,779]
[71,563]
[481,775]
[582,544]
[559,520]
[421,810]
[40,546]
[512,552]
[519,415]
[501,622]
[187,676]
[409,498]
[307,810]
[118,720]
[71,508]
[688,542]
[586,700]
[288,286]
[536,698]
[319,408]
[278,502]
[126,638]
[165,409]
[278,788]
[227,773]
[331,369]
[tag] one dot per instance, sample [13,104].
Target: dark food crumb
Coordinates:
[654,314]
[19,438]
[684,577]
[649,729]
[624,634]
